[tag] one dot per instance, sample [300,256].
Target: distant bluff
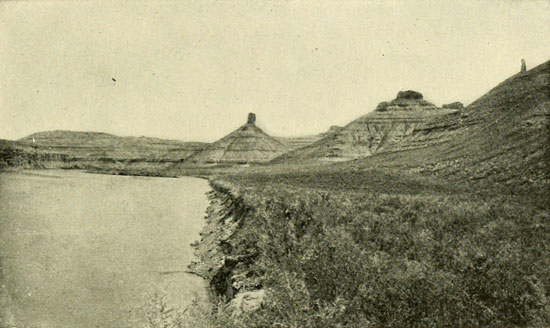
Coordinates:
[247,144]
[94,146]
[389,124]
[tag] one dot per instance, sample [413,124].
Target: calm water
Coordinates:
[87,250]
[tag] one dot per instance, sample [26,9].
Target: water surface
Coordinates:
[88,250]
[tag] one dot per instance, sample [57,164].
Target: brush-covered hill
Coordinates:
[98,145]
[387,125]
[503,137]
[247,144]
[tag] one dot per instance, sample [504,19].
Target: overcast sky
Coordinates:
[192,70]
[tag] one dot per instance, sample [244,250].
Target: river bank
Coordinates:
[319,248]
[371,249]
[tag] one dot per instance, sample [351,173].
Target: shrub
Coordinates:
[330,257]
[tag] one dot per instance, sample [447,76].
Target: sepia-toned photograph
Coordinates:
[285,164]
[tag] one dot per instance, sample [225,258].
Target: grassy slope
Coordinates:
[503,140]
[453,234]
[378,248]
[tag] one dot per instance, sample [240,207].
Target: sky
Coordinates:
[192,70]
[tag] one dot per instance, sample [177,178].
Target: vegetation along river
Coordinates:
[89,250]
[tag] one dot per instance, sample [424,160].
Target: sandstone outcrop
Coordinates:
[454,105]
[251,118]
[406,101]
[247,302]
[409,94]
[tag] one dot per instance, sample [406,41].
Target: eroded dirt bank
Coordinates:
[222,258]
[214,250]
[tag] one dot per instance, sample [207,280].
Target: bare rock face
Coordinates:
[409,94]
[247,302]
[454,105]
[406,100]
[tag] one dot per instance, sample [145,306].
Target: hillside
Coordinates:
[247,144]
[292,143]
[387,125]
[97,145]
[14,154]
[448,225]
[502,137]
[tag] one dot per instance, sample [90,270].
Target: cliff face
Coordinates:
[388,125]
[247,144]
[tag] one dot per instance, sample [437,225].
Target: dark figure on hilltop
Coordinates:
[251,118]
[523,66]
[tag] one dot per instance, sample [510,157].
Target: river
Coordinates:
[90,250]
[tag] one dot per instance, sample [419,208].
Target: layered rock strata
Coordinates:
[389,124]
[247,144]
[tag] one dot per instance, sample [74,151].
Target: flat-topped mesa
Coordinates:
[405,101]
[251,118]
